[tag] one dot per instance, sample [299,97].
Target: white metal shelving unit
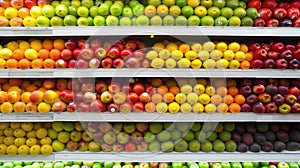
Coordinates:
[256,32]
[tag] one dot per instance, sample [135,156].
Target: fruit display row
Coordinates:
[45,13]
[152,95]
[78,164]
[46,138]
[95,53]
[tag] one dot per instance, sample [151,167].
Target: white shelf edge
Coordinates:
[37,158]
[179,157]
[149,117]
[150,30]
[149,72]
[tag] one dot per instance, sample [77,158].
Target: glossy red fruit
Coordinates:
[272,23]
[279,13]
[271,4]
[265,13]
[259,22]
[254,4]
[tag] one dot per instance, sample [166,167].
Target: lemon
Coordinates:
[8,132]
[222,46]
[31,54]
[196,64]
[3,149]
[222,64]
[208,46]
[209,64]
[44,107]
[158,46]
[204,98]
[31,141]
[210,90]
[193,3]
[192,98]
[46,140]
[12,150]
[203,55]
[216,54]
[9,140]
[184,63]
[176,54]
[36,45]
[27,126]
[198,108]
[152,54]
[170,63]
[199,89]
[175,11]
[186,89]
[36,126]
[185,108]
[31,134]
[234,46]
[191,55]
[164,54]
[5,53]
[234,64]
[12,45]
[239,55]
[19,133]
[20,141]
[23,150]
[161,107]
[157,63]
[180,98]
[210,108]
[41,133]
[35,150]
[228,55]
[174,107]
[171,46]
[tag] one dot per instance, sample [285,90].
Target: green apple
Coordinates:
[91,20]
[48,11]
[180,3]
[225,165]
[58,165]
[99,21]
[55,3]
[187,11]
[239,12]
[97,165]
[82,11]
[76,3]
[194,20]
[206,3]
[142,20]
[108,164]
[42,21]
[61,10]
[67,3]
[138,10]
[108,2]
[168,20]
[221,21]
[133,21]
[180,21]
[103,10]
[219,3]
[125,21]
[234,21]
[214,12]
[87,3]
[156,20]
[236,165]
[247,21]
[242,4]
[56,21]
[82,21]
[232,4]
[247,164]
[112,20]
[155,3]
[203,164]
[93,11]
[115,9]
[70,20]
[252,12]
[133,3]
[119,3]
[227,12]
[127,11]
[72,10]
[207,21]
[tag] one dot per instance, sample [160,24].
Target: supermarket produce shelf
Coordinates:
[149,117]
[145,72]
[179,157]
[150,30]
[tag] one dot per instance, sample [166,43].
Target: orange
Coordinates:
[25,97]
[174,89]
[184,48]
[15,88]
[3,80]
[216,99]
[169,97]
[231,82]
[239,99]
[59,44]
[37,64]
[233,91]
[162,89]
[42,89]
[245,64]
[228,99]
[150,107]
[244,48]
[49,63]
[24,63]
[12,63]
[48,44]
[6,86]
[222,108]
[25,84]
[36,45]
[150,10]
[31,88]
[2,11]
[156,82]
[234,108]
[249,56]
[18,54]
[156,98]
[15,81]
[222,91]
[43,54]
[55,54]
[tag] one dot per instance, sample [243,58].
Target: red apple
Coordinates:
[279,13]
[86,53]
[144,97]
[82,64]
[113,52]
[131,44]
[114,87]
[138,88]
[100,87]
[94,44]
[281,64]
[264,13]
[61,63]
[71,44]
[259,89]
[113,108]
[125,107]
[83,107]
[132,97]
[72,107]
[126,53]
[76,52]
[139,55]
[138,107]
[293,13]
[130,147]
[107,62]
[94,63]
[97,106]
[118,63]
